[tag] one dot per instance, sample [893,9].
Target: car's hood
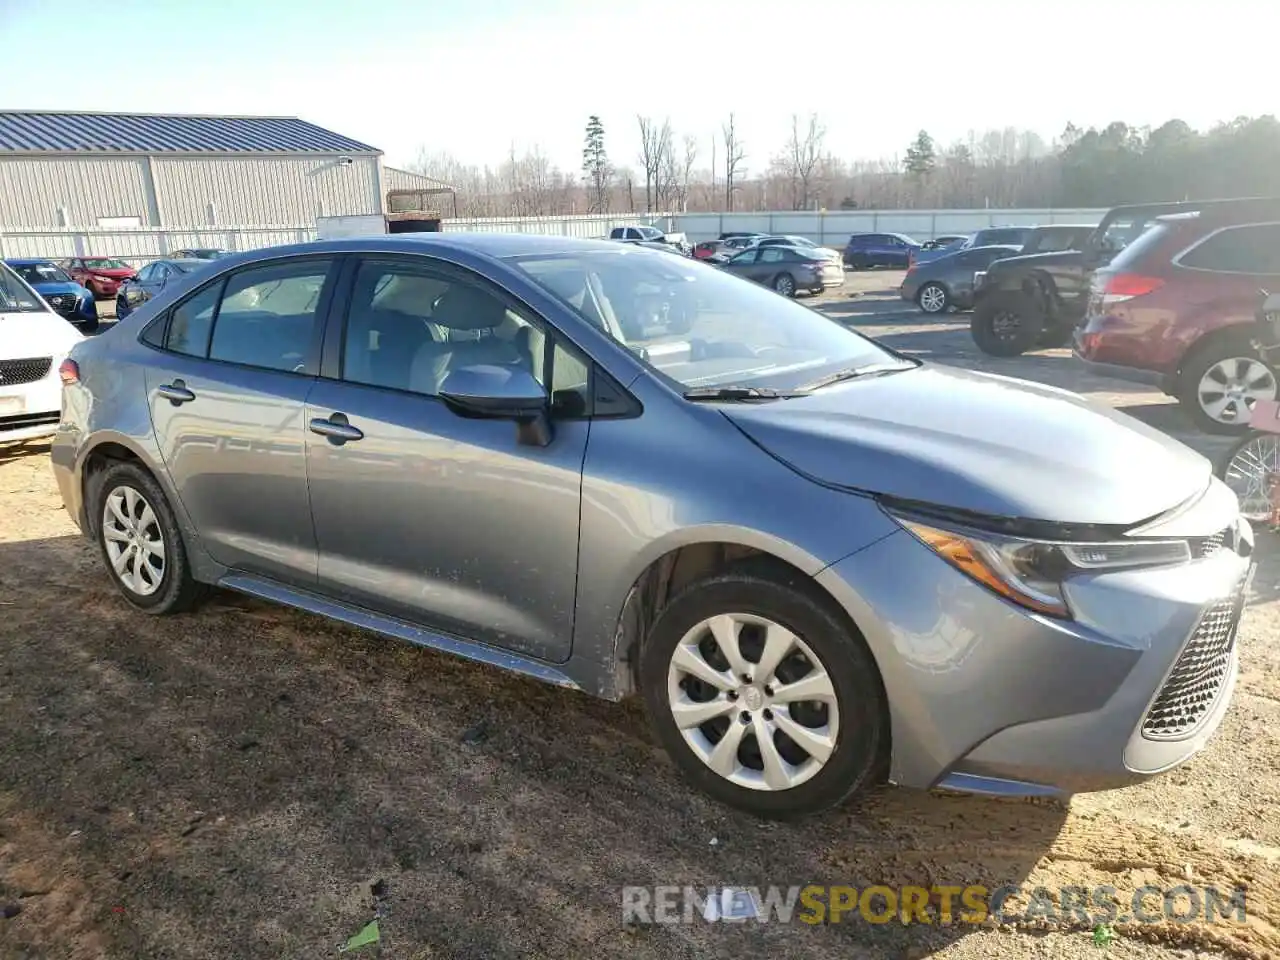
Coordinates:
[43,334]
[982,443]
[51,287]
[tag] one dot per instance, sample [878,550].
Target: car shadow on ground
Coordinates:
[231,782]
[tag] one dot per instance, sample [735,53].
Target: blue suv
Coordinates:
[866,250]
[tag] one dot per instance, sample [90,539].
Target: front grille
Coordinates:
[64,302]
[1197,676]
[1211,545]
[13,372]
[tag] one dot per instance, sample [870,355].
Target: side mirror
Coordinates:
[491,392]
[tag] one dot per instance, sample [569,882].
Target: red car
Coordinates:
[707,249]
[102,275]
[1176,307]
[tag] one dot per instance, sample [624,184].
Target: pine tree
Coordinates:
[595,167]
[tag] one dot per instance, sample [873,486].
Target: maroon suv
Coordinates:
[1174,309]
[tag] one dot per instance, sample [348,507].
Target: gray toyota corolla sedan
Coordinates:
[820,562]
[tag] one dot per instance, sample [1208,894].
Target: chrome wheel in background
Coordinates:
[133,540]
[932,298]
[753,702]
[1251,469]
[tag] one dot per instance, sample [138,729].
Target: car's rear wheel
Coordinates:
[1006,324]
[785,284]
[1222,381]
[140,542]
[763,697]
[933,298]
[1251,468]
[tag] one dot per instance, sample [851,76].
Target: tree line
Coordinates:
[1008,168]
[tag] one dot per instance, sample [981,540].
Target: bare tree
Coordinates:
[684,178]
[803,153]
[734,154]
[655,145]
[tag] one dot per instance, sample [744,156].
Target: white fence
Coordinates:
[140,244]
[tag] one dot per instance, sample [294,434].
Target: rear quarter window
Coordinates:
[1140,249]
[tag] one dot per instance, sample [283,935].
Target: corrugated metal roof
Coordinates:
[35,132]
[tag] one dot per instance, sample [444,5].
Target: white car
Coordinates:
[33,343]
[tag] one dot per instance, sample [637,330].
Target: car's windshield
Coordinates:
[16,296]
[699,326]
[40,273]
[183,267]
[104,263]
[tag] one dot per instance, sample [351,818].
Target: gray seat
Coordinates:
[460,311]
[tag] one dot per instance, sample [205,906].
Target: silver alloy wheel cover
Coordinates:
[1228,390]
[1248,472]
[736,698]
[932,298]
[784,284]
[134,541]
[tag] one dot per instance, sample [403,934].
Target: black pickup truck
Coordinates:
[1036,300]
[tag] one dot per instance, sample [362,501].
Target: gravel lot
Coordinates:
[231,783]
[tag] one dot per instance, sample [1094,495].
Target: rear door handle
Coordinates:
[176,392]
[337,429]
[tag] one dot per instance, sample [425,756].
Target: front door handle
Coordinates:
[176,392]
[337,429]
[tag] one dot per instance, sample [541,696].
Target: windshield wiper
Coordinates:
[737,393]
[853,373]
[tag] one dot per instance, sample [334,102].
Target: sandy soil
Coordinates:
[233,782]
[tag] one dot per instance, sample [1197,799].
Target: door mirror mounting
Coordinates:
[492,392]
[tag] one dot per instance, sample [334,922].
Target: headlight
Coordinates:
[1031,573]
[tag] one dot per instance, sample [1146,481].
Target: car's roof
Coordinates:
[26,261]
[496,245]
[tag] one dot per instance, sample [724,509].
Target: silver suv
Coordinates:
[820,562]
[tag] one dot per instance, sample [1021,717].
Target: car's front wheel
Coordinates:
[140,542]
[763,697]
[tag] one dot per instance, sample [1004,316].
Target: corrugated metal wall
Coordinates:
[33,190]
[189,191]
[263,190]
[396,179]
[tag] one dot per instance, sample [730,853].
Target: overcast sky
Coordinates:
[471,77]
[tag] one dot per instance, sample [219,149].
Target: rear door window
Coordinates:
[267,316]
[1252,249]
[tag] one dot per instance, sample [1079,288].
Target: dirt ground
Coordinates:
[237,782]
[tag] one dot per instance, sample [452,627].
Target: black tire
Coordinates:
[946,298]
[859,758]
[178,591]
[785,284]
[1229,344]
[121,313]
[90,326]
[1006,324]
[857,263]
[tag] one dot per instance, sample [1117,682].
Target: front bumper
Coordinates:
[29,411]
[985,696]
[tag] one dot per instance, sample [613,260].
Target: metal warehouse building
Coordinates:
[87,170]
